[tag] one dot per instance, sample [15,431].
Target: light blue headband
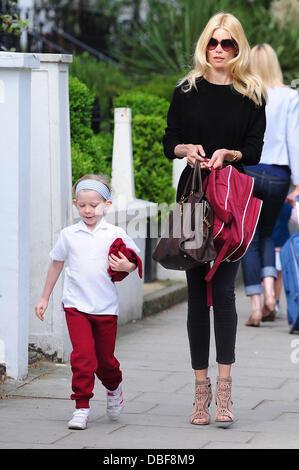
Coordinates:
[94,185]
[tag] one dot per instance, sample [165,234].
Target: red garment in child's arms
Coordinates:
[119,245]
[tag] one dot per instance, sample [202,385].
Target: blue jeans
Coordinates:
[259,260]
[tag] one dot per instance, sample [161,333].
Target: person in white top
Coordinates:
[89,296]
[279,165]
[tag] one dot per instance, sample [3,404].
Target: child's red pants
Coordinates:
[93,338]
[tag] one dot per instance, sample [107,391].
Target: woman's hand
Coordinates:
[192,153]
[121,263]
[218,158]
[291,198]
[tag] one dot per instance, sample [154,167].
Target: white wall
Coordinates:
[15,105]
[51,194]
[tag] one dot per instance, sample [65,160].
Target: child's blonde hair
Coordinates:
[101,178]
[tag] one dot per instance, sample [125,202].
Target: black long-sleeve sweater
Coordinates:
[215,116]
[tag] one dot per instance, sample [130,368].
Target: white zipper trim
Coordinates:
[225,205]
[246,207]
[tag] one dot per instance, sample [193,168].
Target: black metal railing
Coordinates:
[38,43]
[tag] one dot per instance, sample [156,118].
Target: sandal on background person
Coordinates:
[255,318]
[269,308]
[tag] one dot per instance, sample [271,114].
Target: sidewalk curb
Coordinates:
[166,298]
[163,299]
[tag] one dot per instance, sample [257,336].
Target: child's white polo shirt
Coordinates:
[87,284]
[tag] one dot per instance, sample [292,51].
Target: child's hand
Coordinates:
[121,263]
[40,308]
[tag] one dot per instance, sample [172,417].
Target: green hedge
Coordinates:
[146,104]
[104,80]
[81,101]
[160,85]
[92,153]
[152,170]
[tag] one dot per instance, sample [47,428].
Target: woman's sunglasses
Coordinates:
[226,44]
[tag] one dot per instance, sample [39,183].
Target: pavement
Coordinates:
[158,389]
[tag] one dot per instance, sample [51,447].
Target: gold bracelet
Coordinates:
[235,156]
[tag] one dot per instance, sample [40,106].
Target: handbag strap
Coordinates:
[194,181]
[197,180]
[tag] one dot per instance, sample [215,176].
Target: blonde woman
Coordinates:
[217,111]
[279,162]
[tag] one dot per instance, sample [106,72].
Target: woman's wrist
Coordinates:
[235,156]
[232,156]
[181,150]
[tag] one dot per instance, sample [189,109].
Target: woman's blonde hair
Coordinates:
[265,64]
[243,80]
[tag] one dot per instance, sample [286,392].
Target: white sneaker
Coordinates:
[79,419]
[115,402]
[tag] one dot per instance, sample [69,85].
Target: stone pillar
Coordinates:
[51,195]
[128,212]
[178,166]
[123,185]
[15,109]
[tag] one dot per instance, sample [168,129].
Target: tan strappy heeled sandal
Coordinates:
[223,414]
[203,396]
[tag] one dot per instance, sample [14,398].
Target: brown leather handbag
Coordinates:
[187,240]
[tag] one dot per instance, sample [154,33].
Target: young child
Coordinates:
[89,296]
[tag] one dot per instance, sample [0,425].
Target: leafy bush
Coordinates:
[81,100]
[165,41]
[152,170]
[104,80]
[82,163]
[102,155]
[93,153]
[159,85]
[143,103]
[261,27]
[90,153]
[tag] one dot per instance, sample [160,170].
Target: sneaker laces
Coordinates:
[114,398]
[80,413]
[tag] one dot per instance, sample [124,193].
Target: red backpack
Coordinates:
[236,214]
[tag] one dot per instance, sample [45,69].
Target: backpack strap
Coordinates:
[218,260]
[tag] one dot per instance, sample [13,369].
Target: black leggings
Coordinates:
[225,315]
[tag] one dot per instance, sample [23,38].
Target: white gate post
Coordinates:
[51,195]
[122,181]
[15,107]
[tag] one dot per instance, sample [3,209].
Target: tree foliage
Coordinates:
[10,23]
[164,43]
